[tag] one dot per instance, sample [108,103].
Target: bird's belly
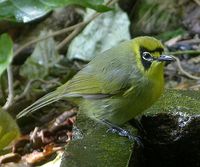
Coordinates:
[119,110]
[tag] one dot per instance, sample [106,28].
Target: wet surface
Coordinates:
[96,147]
[172,137]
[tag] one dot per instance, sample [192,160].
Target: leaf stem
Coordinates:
[10,88]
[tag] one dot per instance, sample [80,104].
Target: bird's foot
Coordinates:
[125,133]
[122,132]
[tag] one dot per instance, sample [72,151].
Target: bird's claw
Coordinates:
[125,133]
[122,132]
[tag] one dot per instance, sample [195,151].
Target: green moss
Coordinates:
[174,101]
[97,148]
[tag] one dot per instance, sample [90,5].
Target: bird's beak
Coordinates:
[165,58]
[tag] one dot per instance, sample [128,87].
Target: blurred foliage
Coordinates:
[94,4]
[8,129]
[155,16]
[29,10]
[6,52]
[170,34]
[42,59]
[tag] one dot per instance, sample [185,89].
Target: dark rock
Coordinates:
[172,132]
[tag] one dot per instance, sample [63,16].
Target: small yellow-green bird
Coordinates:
[117,84]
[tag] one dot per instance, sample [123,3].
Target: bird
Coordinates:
[116,85]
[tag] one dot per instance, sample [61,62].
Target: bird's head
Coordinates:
[149,57]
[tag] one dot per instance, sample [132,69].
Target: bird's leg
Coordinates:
[122,132]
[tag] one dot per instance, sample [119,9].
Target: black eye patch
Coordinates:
[147,60]
[146,56]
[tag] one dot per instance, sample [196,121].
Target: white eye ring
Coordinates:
[147,56]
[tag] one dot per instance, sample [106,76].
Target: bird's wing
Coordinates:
[108,74]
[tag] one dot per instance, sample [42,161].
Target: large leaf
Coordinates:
[22,10]
[6,52]
[101,34]
[8,129]
[28,10]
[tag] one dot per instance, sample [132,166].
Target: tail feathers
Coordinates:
[43,101]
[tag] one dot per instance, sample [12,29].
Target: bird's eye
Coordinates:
[147,56]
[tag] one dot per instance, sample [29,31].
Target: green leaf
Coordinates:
[94,4]
[28,10]
[8,129]
[23,10]
[6,52]
[7,138]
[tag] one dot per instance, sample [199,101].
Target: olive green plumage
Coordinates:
[117,84]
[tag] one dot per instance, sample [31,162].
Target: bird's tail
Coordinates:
[43,101]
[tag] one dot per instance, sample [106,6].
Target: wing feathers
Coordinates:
[106,75]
